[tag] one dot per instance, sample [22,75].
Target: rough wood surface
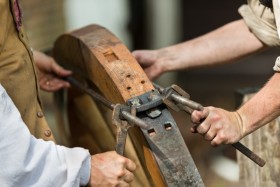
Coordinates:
[98,58]
[266,143]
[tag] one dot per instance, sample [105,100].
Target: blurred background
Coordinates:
[152,24]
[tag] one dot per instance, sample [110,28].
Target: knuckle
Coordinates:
[215,142]
[121,173]
[122,160]
[207,137]
[115,183]
[202,129]
[194,117]
[222,137]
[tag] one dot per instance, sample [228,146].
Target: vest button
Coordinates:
[40,114]
[48,133]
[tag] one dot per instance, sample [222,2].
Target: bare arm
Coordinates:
[226,44]
[263,107]
[221,126]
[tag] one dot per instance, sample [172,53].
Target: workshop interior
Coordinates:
[155,24]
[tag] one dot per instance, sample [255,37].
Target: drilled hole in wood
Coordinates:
[168,126]
[110,56]
[151,132]
[128,88]
[143,82]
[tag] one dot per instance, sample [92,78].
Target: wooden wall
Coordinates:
[43,21]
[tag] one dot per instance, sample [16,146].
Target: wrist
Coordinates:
[168,59]
[240,123]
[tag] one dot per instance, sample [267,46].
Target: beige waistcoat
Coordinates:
[18,74]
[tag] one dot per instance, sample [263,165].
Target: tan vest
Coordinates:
[18,74]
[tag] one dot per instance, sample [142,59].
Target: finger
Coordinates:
[122,184]
[203,127]
[128,176]
[57,69]
[216,141]
[130,165]
[50,85]
[152,72]
[200,127]
[54,84]
[193,128]
[59,83]
[210,135]
[144,57]
[198,116]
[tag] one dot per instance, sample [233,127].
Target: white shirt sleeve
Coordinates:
[27,161]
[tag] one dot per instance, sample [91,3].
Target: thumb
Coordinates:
[60,71]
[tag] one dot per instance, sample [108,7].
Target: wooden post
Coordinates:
[266,143]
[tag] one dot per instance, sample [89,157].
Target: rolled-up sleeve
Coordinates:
[261,22]
[27,161]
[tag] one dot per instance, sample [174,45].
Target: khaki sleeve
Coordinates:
[276,67]
[261,22]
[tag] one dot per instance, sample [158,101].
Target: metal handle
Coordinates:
[250,154]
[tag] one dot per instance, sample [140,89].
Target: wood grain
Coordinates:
[101,60]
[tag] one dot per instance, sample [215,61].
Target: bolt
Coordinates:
[153,113]
[135,102]
[153,96]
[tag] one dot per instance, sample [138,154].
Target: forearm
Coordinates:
[223,45]
[263,107]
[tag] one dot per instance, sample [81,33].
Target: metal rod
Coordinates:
[196,106]
[158,87]
[89,91]
[134,120]
[187,102]
[126,115]
[250,154]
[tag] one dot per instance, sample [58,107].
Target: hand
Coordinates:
[111,169]
[217,125]
[50,73]
[154,62]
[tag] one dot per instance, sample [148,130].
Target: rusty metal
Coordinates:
[123,114]
[181,98]
[121,118]
[154,100]
[134,120]
[178,99]
[250,154]
[90,92]
[122,128]
[160,130]
[168,146]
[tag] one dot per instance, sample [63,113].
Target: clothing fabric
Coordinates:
[276,10]
[264,23]
[35,162]
[25,159]
[261,21]
[18,73]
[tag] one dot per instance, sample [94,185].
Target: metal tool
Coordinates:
[160,131]
[122,118]
[174,97]
[177,99]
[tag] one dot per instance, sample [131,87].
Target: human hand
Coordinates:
[50,73]
[111,169]
[154,62]
[217,125]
